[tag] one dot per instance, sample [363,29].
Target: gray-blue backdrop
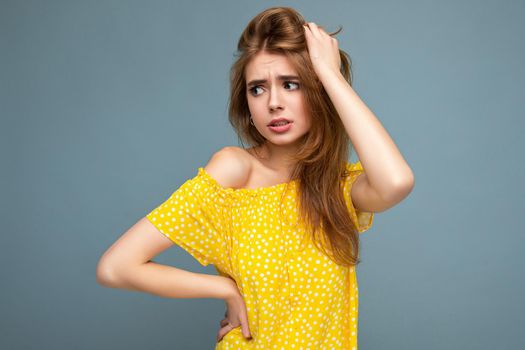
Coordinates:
[107,107]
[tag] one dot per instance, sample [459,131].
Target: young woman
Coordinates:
[280,220]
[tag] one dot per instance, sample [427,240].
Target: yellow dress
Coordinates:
[296,297]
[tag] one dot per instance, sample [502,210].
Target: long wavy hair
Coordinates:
[321,159]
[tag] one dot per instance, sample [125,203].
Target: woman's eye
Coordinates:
[253,90]
[293,84]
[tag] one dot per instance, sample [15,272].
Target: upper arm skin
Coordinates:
[366,198]
[136,246]
[142,242]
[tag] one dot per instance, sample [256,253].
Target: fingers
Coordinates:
[314,29]
[237,309]
[226,327]
[222,332]
[318,31]
[244,327]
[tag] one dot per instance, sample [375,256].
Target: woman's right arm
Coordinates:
[127,264]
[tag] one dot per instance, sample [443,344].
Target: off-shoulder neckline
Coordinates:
[250,191]
[273,189]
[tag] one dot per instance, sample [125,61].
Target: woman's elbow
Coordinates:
[106,274]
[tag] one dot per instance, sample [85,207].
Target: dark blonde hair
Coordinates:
[321,159]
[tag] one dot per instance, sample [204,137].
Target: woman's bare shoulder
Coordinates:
[230,167]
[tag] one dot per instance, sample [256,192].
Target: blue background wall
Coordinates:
[107,107]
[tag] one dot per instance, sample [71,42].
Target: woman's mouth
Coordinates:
[281,127]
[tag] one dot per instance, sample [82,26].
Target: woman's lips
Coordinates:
[281,128]
[279,120]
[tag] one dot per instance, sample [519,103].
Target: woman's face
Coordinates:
[273,91]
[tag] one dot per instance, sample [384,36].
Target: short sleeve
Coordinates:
[362,220]
[195,217]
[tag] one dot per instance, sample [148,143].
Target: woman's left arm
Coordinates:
[387,178]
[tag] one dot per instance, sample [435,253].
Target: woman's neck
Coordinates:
[276,158]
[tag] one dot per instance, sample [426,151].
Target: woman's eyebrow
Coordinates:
[279,77]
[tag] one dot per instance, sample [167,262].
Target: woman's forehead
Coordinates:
[264,64]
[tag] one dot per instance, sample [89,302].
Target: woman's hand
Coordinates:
[236,314]
[323,49]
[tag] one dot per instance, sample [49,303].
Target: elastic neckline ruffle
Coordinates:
[243,192]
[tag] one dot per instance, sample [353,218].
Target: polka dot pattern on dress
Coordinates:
[296,297]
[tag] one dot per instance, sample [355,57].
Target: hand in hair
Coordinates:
[323,49]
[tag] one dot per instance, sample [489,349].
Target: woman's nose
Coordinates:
[275,99]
